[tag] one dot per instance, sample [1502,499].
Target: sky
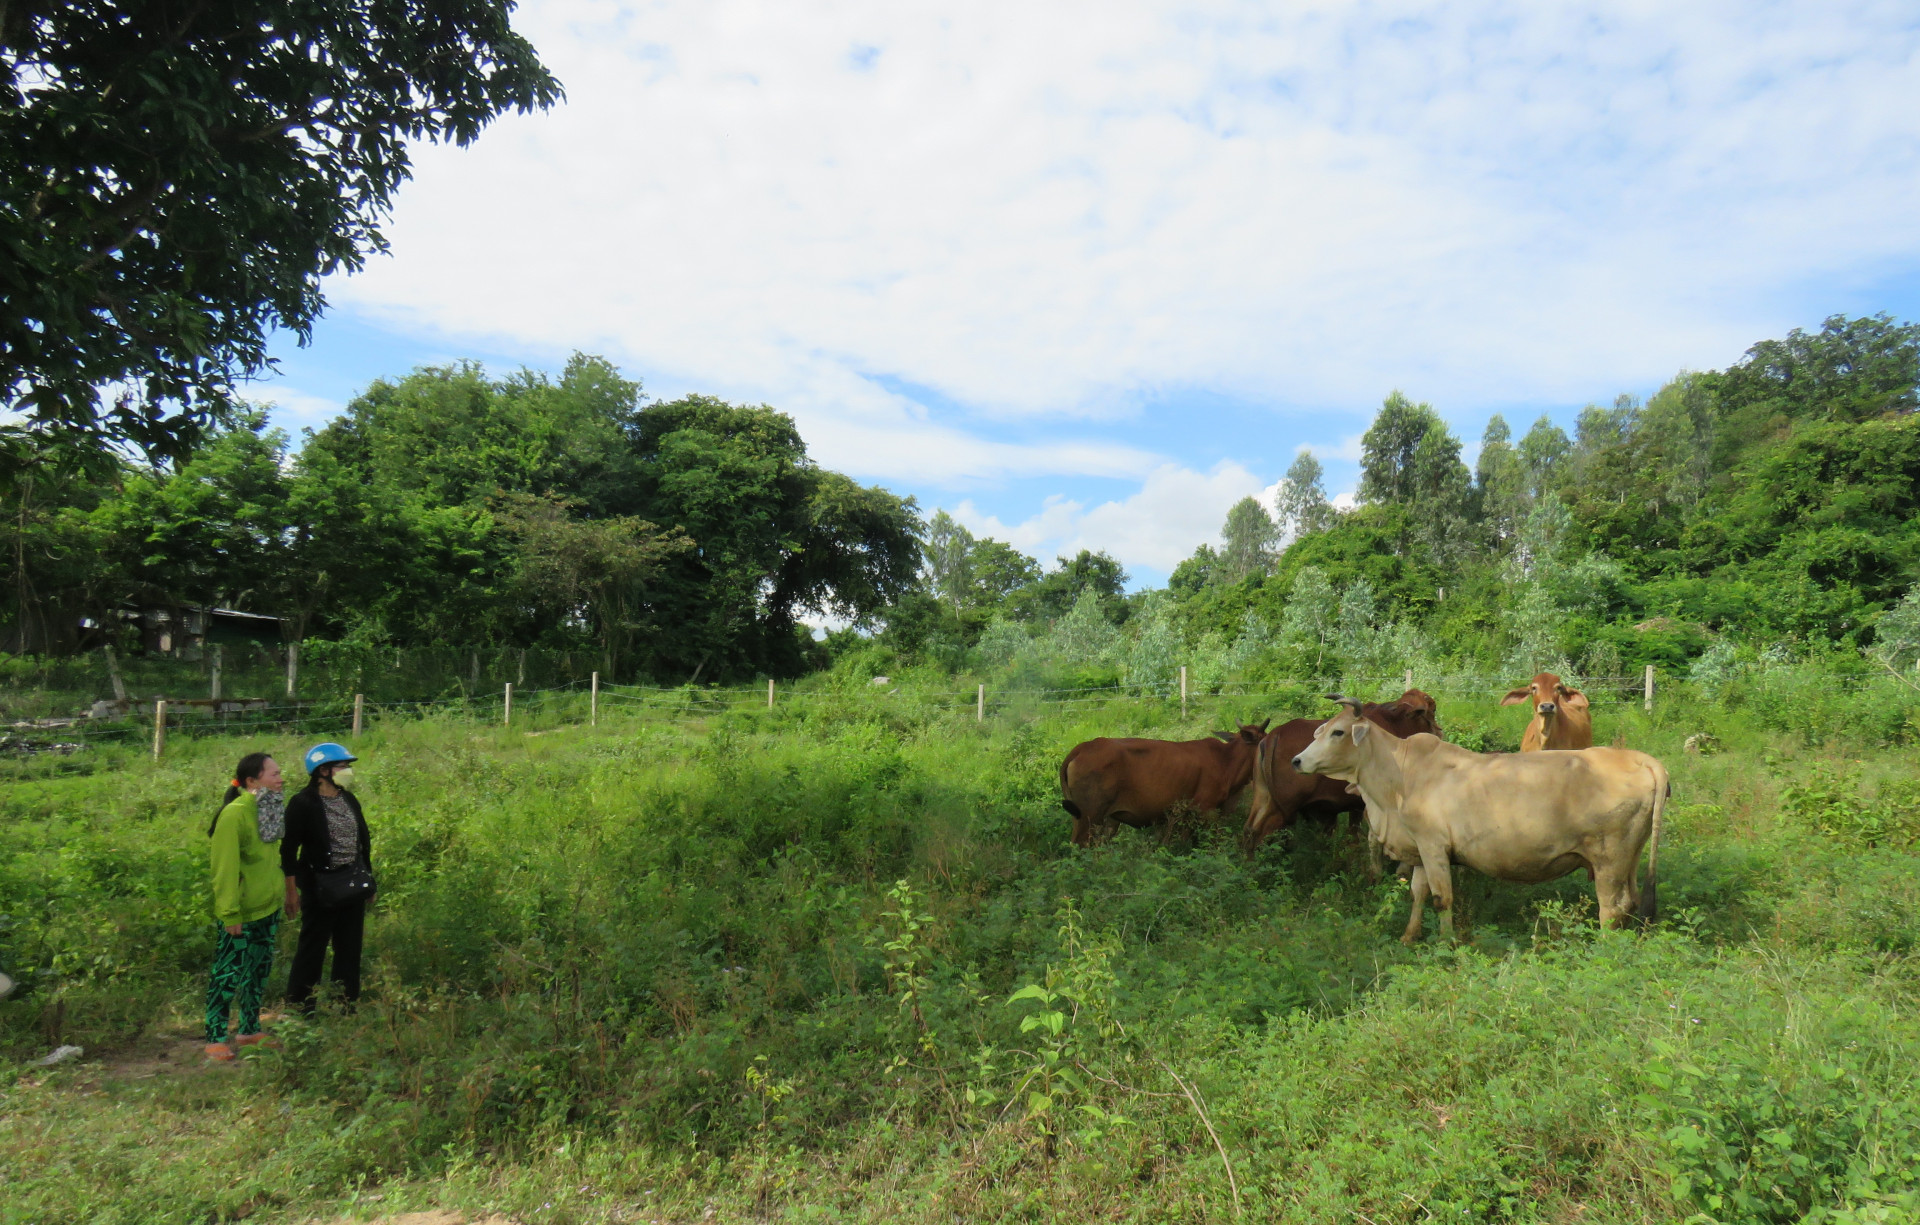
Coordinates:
[1084,275]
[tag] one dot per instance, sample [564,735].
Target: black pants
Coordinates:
[342,929]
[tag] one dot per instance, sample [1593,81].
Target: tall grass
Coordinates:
[764,963]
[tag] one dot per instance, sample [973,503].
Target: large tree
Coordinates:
[776,536]
[1249,538]
[177,175]
[1302,507]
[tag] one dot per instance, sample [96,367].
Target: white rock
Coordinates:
[61,1054]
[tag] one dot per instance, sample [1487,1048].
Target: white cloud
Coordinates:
[1156,528]
[1047,208]
[1046,215]
[294,410]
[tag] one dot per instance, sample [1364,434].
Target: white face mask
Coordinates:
[343,777]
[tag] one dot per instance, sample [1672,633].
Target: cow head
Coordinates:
[1335,747]
[1249,733]
[1410,713]
[1548,694]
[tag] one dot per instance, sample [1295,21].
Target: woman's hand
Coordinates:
[233,929]
[293,899]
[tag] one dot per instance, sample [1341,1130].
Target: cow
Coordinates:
[1280,794]
[1135,782]
[1512,816]
[1560,717]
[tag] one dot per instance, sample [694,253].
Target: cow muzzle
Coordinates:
[1547,708]
[1296,765]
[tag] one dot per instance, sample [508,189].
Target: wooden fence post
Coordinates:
[359,713]
[980,705]
[507,710]
[213,685]
[159,726]
[1183,691]
[1649,702]
[1409,679]
[293,667]
[593,702]
[769,693]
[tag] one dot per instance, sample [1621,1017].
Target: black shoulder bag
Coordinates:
[338,887]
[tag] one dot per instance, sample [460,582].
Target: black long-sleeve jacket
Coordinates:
[305,848]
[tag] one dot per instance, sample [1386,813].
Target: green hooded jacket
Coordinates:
[247,884]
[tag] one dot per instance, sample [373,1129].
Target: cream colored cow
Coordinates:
[1512,816]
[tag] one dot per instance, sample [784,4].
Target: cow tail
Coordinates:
[1649,910]
[1066,797]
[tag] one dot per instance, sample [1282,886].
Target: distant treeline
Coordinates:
[679,540]
[1766,512]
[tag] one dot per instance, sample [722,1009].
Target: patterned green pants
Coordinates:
[240,970]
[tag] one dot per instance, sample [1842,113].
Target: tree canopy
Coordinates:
[177,178]
[448,506]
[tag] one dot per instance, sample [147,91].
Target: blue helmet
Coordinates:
[327,754]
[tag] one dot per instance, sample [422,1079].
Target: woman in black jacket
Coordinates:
[325,831]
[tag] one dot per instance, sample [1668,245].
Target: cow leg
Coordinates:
[1613,889]
[1419,904]
[1440,881]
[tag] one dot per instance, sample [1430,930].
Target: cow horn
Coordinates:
[1352,704]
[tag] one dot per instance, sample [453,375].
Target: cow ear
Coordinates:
[1360,729]
[1517,696]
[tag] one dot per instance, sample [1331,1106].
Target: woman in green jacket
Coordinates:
[247,890]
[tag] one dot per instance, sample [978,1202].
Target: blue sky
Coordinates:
[1087,274]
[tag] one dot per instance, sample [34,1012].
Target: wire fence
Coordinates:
[153,724]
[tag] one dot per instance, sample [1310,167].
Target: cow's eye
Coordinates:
[1337,735]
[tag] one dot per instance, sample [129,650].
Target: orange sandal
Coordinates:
[219,1052]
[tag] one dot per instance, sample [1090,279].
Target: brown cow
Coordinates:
[1110,781]
[1560,717]
[1280,793]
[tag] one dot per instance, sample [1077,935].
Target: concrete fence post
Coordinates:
[159,727]
[506,711]
[113,675]
[1183,691]
[980,705]
[1649,701]
[359,713]
[1409,679]
[769,693]
[593,702]
[213,683]
[293,668]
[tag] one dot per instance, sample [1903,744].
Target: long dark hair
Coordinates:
[249,769]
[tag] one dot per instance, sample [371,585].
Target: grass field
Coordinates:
[837,961]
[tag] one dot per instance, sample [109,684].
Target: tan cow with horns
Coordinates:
[1560,717]
[1512,816]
